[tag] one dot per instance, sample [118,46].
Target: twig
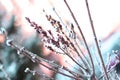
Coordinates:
[38,59]
[4,71]
[82,36]
[27,70]
[96,41]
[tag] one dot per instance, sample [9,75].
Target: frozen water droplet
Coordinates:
[1,66]
[33,73]
[33,60]
[116,51]
[33,57]
[27,69]
[52,61]
[2,31]
[9,42]
[113,51]
[20,50]
[61,67]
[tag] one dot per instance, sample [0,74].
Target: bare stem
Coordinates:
[86,62]
[27,70]
[39,59]
[82,36]
[7,76]
[73,60]
[72,45]
[107,73]
[96,41]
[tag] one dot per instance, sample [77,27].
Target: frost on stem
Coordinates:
[4,71]
[3,35]
[1,66]
[33,72]
[38,59]
[3,31]
[33,57]
[28,70]
[20,51]
[114,60]
[9,42]
[59,42]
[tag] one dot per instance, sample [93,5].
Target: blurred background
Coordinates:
[106,19]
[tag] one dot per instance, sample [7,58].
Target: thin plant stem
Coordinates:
[59,16]
[82,36]
[73,60]
[39,59]
[27,70]
[86,62]
[109,71]
[72,45]
[96,41]
[7,76]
